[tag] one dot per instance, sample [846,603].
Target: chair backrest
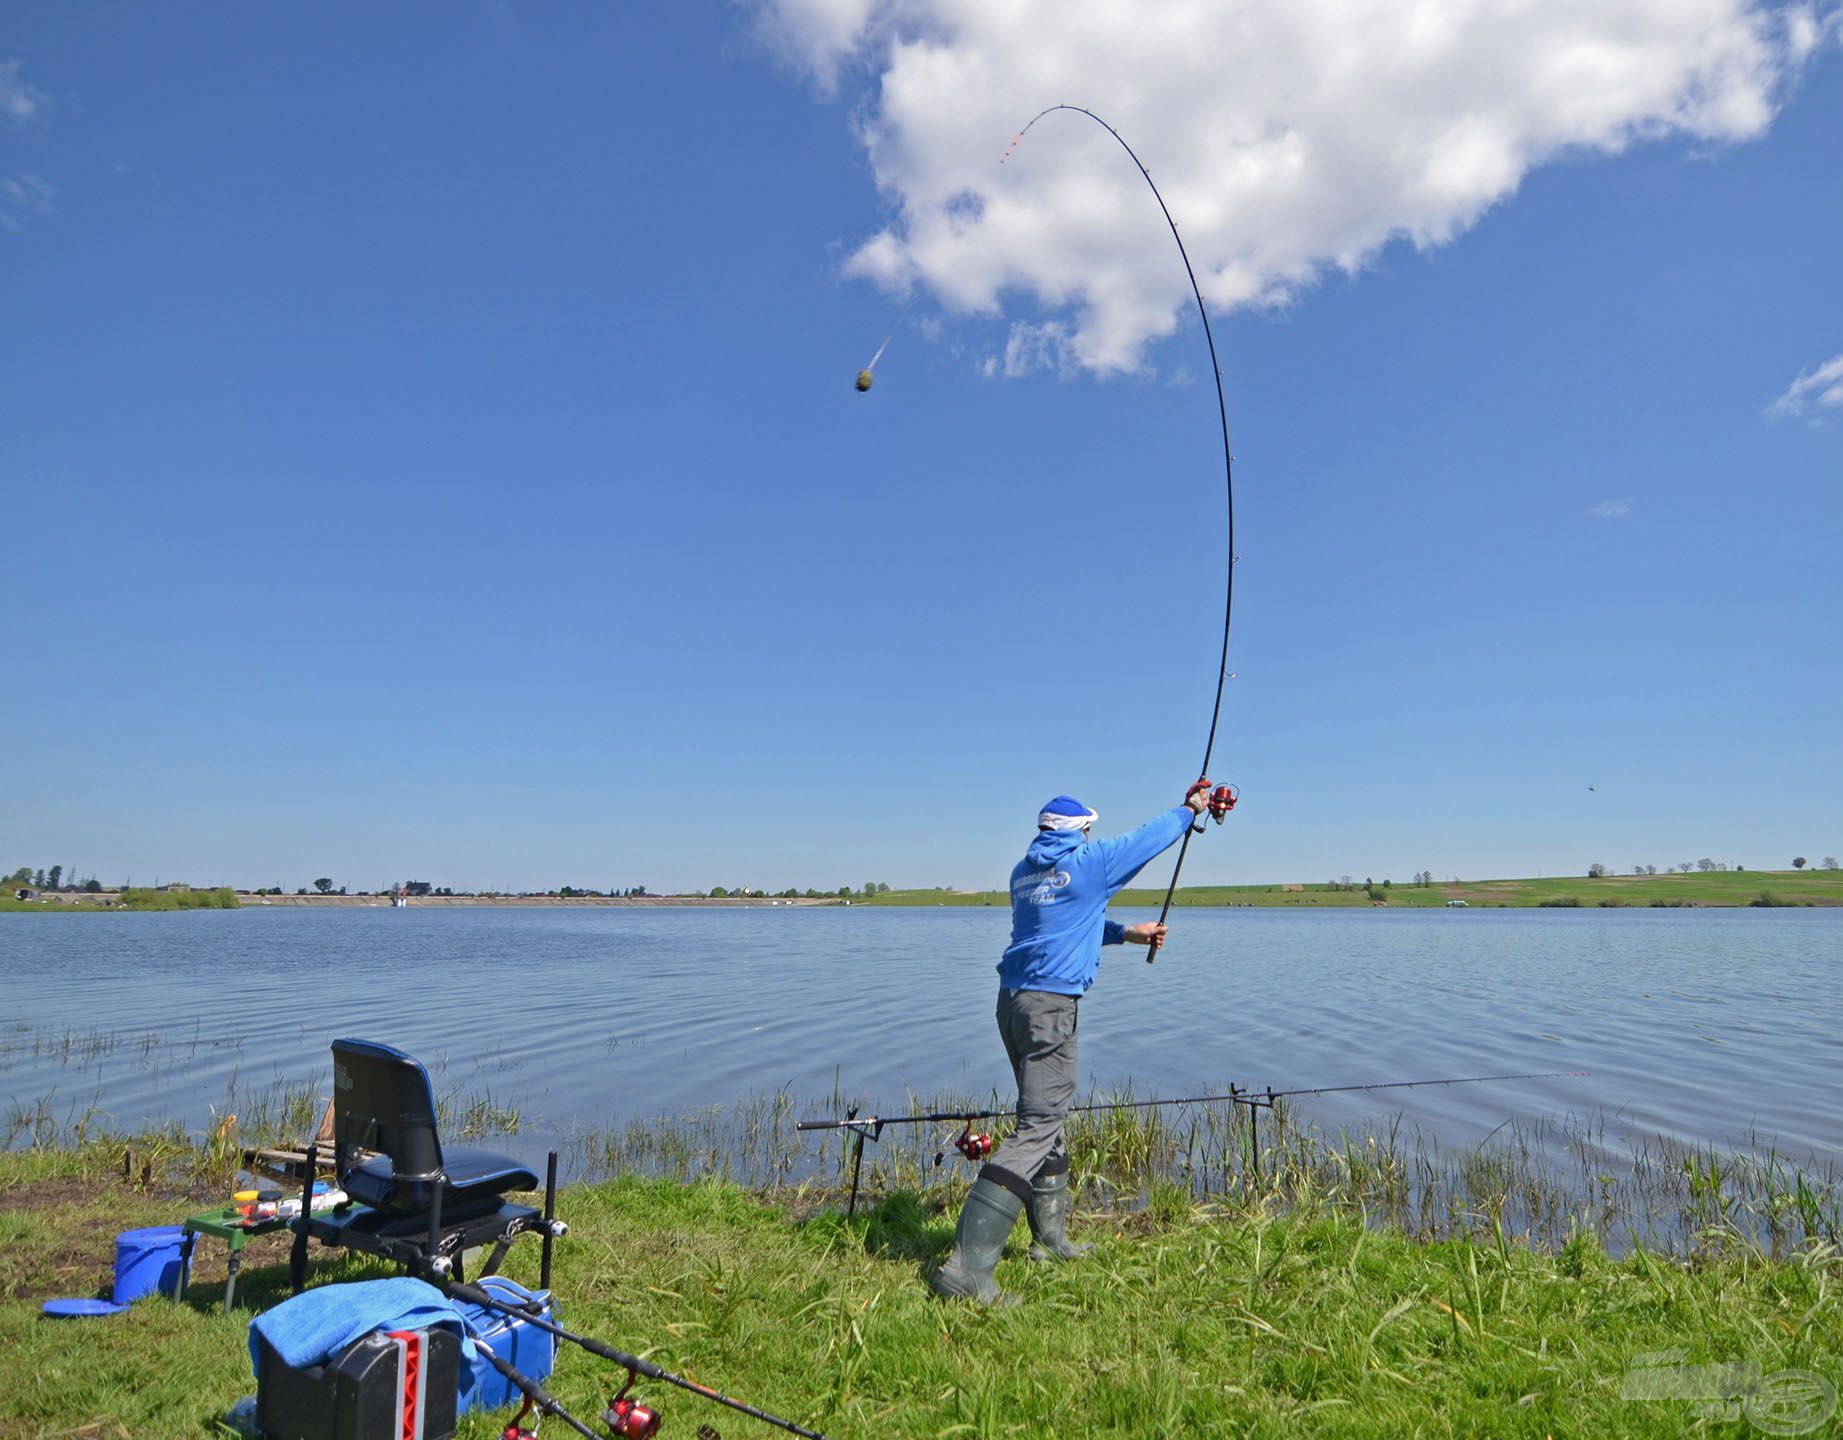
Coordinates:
[382,1101]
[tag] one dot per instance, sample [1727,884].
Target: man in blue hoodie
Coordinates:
[1059,895]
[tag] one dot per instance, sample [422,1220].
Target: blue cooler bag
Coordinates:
[521,1345]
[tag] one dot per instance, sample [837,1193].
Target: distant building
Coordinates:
[177,887]
[23,894]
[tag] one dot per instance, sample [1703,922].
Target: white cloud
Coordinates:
[1288,136]
[19,102]
[19,193]
[1611,509]
[817,36]
[1029,348]
[1821,388]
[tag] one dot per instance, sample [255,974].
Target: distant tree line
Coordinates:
[50,881]
[1598,870]
[843,892]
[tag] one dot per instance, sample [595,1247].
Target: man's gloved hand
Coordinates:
[1197,798]
[1150,933]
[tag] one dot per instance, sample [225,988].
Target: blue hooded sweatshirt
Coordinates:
[1059,895]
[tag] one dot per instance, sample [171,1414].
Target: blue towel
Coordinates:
[317,1324]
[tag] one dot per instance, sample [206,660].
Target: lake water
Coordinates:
[1721,1026]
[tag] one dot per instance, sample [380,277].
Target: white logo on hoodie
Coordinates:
[1040,887]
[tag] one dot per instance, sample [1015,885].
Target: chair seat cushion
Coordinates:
[473,1177]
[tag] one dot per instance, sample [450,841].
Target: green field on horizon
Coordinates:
[1715,887]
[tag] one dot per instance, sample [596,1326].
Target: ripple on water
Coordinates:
[1697,1024]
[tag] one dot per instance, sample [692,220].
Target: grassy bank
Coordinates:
[1351,1285]
[133,898]
[1539,1177]
[1187,1319]
[1718,887]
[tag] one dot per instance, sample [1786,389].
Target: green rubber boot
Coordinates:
[985,1220]
[1049,1208]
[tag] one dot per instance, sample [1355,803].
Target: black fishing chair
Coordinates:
[408,1199]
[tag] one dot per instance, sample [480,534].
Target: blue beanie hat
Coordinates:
[1065,812]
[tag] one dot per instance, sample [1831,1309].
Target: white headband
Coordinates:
[1049,821]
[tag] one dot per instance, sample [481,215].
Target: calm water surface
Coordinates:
[1724,1026]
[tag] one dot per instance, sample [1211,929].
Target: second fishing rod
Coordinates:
[626,1418]
[977,1146]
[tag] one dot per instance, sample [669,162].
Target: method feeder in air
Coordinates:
[1228,473]
[867,376]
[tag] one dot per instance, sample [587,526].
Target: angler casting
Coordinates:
[1224,799]
[1059,895]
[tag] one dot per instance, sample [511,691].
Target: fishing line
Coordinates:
[1228,474]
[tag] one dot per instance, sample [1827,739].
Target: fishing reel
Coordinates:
[629,1419]
[1217,802]
[975,1147]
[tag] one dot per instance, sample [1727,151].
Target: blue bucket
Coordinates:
[147,1262]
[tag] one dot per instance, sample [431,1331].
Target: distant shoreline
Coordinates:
[251,902]
[107,899]
[1718,889]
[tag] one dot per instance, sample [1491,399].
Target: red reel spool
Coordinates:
[630,1420]
[973,1147]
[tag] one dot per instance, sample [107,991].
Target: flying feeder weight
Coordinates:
[866,376]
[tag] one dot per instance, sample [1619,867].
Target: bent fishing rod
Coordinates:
[1225,796]
[625,1417]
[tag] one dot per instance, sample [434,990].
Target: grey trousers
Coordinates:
[1038,1029]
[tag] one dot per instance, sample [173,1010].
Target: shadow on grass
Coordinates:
[262,1286]
[901,1226]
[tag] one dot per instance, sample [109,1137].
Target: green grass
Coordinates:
[135,898]
[55,904]
[1717,887]
[1186,1320]
[221,898]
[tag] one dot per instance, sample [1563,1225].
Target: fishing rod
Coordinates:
[976,1146]
[1235,1093]
[536,1398]
[626,1418]
[1225,796]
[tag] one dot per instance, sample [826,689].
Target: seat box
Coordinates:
[396,1385]
[522,1345]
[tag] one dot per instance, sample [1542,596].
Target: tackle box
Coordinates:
[389,1385]
[524,1346]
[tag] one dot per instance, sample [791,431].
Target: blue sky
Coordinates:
[430,451]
